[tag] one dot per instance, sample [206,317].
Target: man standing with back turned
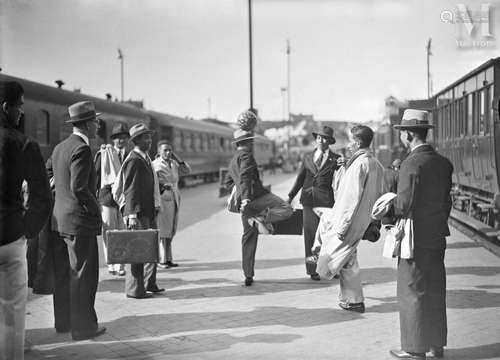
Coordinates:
[76,212]
[423,194]
[20,160]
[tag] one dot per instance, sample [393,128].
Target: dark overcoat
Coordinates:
[76,210]
[138,187]
[316,184]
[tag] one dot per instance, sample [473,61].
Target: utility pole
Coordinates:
[283,99]
[250,52]
[121,58]
[289,89]
[429,53]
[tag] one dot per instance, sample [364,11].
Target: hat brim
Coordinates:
[420,126]
[330,138]
[151,132]
[77,120]
[112,136]
[243,139]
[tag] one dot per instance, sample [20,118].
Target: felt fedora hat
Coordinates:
[326,132]
[119,129]
[139,129]
[241,135]
[414,119]
[82,111]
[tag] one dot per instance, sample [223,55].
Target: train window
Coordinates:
[197,142]
[42,127]
[177,141]
[489,75]
[487,109]
[482,111]
[187,142]
[462,113]
[469,114]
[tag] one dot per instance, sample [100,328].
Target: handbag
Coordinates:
[372,233]
[392,245]
[399,240]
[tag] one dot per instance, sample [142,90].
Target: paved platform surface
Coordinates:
[206,313]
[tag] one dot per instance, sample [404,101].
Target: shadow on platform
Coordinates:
[462,245]
[489,351]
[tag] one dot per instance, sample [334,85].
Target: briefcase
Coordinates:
[290,226]
[132,246]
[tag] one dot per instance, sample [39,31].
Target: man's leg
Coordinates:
[107,216]
[271,207]
[84,276]
[61,296]
[13,297]
[248,246]
[351,291]
[311,222]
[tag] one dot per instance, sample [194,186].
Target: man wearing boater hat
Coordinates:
[108,162]
[259,207]
[423,193]
[141,205]
[78,218]
[315,178]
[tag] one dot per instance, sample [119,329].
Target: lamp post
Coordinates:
[288,88]
[429,53]
[121,58]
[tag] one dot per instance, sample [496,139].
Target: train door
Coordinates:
[496,141]
[484,142]
[476,155]
[467,142]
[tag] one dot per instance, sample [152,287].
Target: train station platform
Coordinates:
[206,313]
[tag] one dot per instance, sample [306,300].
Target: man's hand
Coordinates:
[133,223]
[341,161]
[157,210]
[244,203]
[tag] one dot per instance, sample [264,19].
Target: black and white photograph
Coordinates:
[249,179]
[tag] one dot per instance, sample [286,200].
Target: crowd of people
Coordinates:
[74,197]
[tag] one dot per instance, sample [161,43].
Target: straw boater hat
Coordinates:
[119,129]
[241,135]
[414,119]
[82,111]
[137,130]
[326,132]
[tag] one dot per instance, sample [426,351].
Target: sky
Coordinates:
[190,57]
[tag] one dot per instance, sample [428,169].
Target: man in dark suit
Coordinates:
[259,208]
[108,162]
[423,193]
[140,208]
[77,216]
[315,178]
[20,160]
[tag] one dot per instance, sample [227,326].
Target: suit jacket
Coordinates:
[104,194]
[424,186]
[244,174]
[21,160]
[316,184]
[76,210]
[138,187]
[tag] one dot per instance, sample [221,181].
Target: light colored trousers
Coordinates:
[111,220]
[13,297]
[351,290]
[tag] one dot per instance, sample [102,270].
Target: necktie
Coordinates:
[120,156]
[319,160]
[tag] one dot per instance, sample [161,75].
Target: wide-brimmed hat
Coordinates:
[119,129]
[139,129]
[241,135]
[414,119]
[382,205]
[326,132]
[82,111]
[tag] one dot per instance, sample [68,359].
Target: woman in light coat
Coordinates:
[342,227]
[169,168]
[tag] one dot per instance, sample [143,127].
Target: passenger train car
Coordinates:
[205,146]
[467,131]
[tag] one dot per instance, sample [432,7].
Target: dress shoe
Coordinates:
[313,259]
[63,330]
[112,272]
[143,296]
[248,281]
[84,336]
[315,277]
[155,289]
[437,351]
[163,265]
[401,354]
[171,264]
[121,273]
[357,307]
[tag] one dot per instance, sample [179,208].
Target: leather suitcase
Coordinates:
[290,226]
[132,246]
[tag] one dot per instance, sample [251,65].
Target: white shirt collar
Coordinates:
[122,151]
[319,153]
[82,135]
[419,145]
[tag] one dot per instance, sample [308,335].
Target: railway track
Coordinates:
[483,234]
